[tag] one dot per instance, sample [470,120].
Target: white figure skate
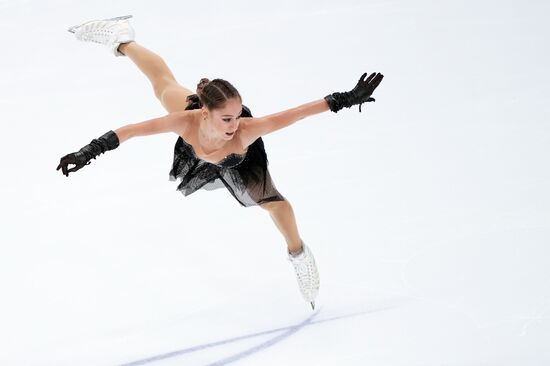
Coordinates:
[306,273]
[109,32]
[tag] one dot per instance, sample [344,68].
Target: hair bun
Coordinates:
[202,83]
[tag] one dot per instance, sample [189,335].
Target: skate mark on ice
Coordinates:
[287,332]
[271,342]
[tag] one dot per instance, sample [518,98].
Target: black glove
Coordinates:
[108,141]
[359,95]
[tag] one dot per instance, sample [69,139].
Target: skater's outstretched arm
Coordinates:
[173,122]
[253,128]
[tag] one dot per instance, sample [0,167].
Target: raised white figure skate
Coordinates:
[109,32]
[306,273]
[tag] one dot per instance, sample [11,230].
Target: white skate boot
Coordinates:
[109,32]
[306,273]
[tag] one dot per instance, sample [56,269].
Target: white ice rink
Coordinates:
[428,213]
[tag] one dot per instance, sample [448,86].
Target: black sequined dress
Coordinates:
[245,176]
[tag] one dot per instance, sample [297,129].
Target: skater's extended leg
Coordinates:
[283,216]
[119,37]
[171,94]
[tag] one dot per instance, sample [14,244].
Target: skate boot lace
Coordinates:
[99,32]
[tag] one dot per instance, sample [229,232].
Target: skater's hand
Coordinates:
[78,159]
[360,94]
[364,88]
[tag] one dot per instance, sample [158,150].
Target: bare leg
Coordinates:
[171,94]
[283,216]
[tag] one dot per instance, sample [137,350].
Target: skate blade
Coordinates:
[74,28]
[313,305]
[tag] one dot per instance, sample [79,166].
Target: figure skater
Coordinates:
[219,143]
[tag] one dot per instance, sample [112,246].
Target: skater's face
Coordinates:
[225,121]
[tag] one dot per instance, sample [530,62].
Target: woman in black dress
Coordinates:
[219,143]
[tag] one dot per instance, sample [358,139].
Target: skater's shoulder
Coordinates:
[183,120]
